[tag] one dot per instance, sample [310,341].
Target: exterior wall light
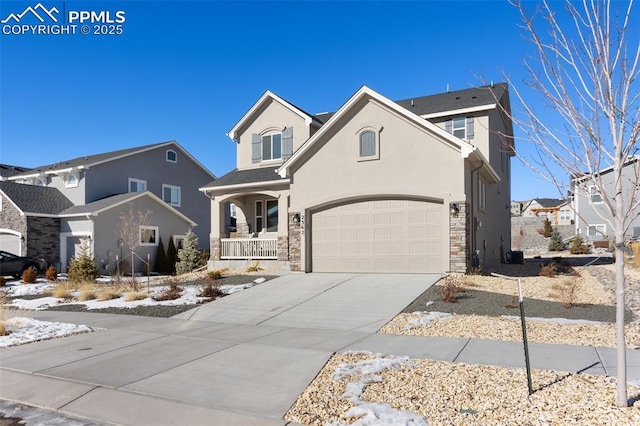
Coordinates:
[296,218]
[454,209]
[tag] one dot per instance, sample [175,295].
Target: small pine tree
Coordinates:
[189,255]
[83,265]
[556,243]
[578,245]
[548,229]
[161,259]
[172,257]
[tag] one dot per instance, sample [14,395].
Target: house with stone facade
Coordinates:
[83,198]
[418,185]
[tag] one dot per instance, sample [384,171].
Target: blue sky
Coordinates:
[188,70]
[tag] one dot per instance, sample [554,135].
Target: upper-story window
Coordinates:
[368,144]
[171,195]
[461,127]
[594,195]
[172,156]
[271,146]
[70,181]
[137,185]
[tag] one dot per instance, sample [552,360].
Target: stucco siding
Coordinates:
[271,117]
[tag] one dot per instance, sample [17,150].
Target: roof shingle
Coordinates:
[35,199]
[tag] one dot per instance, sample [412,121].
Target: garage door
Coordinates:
[397,236]
[10,243]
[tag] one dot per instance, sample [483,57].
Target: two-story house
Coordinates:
[160,179]
[592,218]
[418,185]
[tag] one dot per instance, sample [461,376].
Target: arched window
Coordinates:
[367,143]
[172,156]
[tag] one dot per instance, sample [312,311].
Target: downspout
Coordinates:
[472,215]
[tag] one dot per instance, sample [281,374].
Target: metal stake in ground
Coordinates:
[524,328]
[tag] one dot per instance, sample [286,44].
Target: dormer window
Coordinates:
[272,147]
[172,156]
[70,181]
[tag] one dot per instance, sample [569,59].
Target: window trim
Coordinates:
[176,238]
[172,187]
[258,214]
[270,135]
[266,215]
[594,192]
[376,143]
[156,234]
[74,184]
[597,233]
[175,154]
[482,195]
[463,128]
[137,181]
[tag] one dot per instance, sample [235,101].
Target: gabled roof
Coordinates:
[108,203]
[549,202]
[35,200]
[631,160]
[7,170]
[93,160]
[466,100]
[244,177]
[466,149]
[268,96]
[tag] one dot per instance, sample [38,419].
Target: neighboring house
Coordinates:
[592,219]
[165,169]
[517,207]
[8,171]
[101,221]
[419,185]
[549,208]
[29,222]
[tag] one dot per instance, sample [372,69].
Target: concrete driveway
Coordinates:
[319,301]
[243,359]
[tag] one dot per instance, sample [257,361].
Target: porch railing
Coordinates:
[249,248]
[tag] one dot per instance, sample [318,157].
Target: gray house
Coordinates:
[418,185]
[592,219]
[165,170]
[29,221]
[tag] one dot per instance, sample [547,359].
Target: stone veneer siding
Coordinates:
[283,248]
[215,248]
[43,238]
[10,218]
[295,261]
[459,236]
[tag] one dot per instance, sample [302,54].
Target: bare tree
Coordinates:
[585,71]
[130,231]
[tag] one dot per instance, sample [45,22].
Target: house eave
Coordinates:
[460,111]
[270,183]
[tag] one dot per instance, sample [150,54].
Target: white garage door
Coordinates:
[10,243]
[397,236]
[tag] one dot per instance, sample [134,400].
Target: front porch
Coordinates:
[248,248]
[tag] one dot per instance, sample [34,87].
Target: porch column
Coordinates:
[283,228]
[217,227]
[242,228]
[459,237]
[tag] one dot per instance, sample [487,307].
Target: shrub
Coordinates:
[3,281]
[450,289]
[210,288]
[51,274]
[161,259]
[135,295]
[109,293]
[556,243]
[83,265]
[549,270]
[254,267]
[548,229]
[635,247]
[172,292]
[578,245]
[29,275]
[85,295]
[189,255]
[63,290]
[568,292]
[171,257]
[215,274]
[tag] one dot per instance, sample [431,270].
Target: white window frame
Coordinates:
[593,192]
[261,214]
[172,202]
[177,239]
[73,184]
[463,128]
[262,146]
[600,230]
[175,154]
[266,215]
[233,210]
[482,195]
[156,234]
[258,214]
[137,181]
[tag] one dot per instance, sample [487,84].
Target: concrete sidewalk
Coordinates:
[157,371]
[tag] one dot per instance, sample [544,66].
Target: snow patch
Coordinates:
[27,330]
[424,317]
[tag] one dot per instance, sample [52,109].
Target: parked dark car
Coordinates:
[10,264]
